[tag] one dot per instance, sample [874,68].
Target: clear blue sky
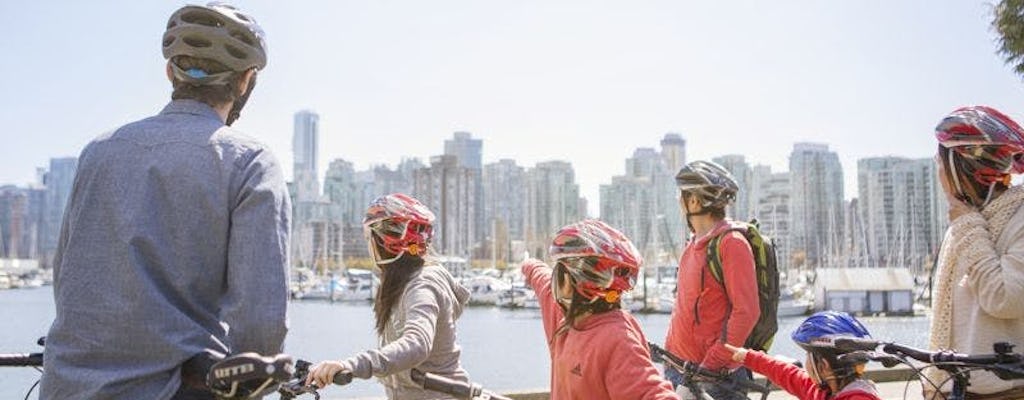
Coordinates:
[587,81]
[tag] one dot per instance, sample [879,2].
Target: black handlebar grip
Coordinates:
[342,378]
[442,384]
[901,350]
[21,360]
[856,344]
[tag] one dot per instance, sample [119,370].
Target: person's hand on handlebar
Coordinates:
[322,374]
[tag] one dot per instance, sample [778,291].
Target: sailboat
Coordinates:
[353,286]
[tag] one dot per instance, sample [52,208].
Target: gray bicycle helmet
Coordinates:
[708,180]
[217,32]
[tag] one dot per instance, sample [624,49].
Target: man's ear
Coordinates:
[246,80]
[170,72]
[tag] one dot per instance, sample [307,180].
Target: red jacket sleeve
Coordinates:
[538,277]
[741,288]
[793,379]
[629,373]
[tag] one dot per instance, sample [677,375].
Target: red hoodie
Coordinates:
[604,357]
[702,318]
[797,382]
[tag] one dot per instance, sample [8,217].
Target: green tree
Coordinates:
[1008,21]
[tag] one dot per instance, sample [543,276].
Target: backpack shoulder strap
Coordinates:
[714,251]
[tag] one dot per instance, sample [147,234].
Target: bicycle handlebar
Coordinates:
[21,360]
[1004,363]
[659,354]
[462,390]
[1003,354]
[947,356]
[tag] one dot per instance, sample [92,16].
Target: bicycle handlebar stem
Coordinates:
[21,360]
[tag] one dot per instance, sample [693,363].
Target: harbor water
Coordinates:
[502,349]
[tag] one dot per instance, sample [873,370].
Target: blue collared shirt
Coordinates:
[174,242]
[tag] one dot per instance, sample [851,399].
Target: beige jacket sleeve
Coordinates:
[996,277]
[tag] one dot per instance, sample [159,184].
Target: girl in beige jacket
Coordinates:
[978,293]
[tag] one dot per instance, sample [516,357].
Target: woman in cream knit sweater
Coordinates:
[979,283]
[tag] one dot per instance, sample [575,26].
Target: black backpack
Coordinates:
[767,272]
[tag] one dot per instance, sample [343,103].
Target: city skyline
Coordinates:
[896,218]
[585,82]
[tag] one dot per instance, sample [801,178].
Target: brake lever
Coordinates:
[1008,372]
[297,387]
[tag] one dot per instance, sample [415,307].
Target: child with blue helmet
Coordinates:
[827,376]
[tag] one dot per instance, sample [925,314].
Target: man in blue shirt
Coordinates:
[174,244]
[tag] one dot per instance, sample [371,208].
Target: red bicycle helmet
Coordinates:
[400,224]
[601,260]
[988,145]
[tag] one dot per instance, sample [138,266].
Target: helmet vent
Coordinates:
[235,52]
[168,40]
[202,18]
[196,41]
[242,37]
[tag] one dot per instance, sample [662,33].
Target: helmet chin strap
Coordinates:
[988,197]
[822,380]
[956,177]
[703,210]
[375,252]
[236,107]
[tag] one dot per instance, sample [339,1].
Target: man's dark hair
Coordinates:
[212,95]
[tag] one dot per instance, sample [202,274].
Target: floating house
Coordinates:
[865,291]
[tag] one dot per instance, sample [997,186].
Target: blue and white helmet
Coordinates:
[819,331]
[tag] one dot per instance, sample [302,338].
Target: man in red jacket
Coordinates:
[708,314]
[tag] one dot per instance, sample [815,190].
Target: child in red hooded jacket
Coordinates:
[828,376]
